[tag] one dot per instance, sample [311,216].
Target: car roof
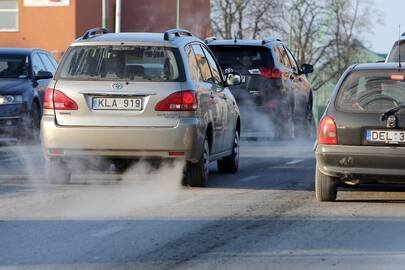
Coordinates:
[239,42]
[135,37]
[379,66]
[18,51]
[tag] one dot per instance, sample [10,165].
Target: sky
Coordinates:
[386,32]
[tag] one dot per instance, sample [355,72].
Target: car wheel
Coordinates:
[325,187]
[121,165]
[29,132]
[57,172]
[196,174]
[305,129]
[231,164]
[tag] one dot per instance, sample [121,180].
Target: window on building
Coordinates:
[8,15]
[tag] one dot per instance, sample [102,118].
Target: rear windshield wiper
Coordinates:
[392,111]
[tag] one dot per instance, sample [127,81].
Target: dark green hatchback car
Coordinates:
[361,137]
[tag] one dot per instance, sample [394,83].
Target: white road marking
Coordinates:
[8,159]
[108,231]
[294,162]
[249,178]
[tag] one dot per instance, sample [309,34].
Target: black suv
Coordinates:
[275,96]
[24,77]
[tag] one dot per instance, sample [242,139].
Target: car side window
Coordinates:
[53,61]
[293,62]
[203,64]
[284,56]
[192,63]
[279,56]
[213,65]
[48,65]
[37,64]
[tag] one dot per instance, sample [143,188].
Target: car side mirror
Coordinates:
[43,75]
[307,68]
[233,78]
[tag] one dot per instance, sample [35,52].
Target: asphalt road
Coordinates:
[264,217]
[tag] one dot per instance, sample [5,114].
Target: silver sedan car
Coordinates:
[132,96]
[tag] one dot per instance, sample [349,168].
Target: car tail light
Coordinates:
[327,133]
[179,101]
[57,100]
[271,73]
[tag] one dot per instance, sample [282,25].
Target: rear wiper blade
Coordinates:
[392,111]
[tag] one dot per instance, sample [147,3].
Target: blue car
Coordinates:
[24,77]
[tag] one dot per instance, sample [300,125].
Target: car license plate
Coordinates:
[117,103]
[386,136]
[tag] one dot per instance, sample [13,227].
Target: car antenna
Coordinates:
[399,47]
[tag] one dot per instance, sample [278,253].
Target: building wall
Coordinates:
[50,28]
[158,16]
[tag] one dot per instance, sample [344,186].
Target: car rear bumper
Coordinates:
[361,162]
[123,142]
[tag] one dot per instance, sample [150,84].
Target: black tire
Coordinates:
[57,172]
[231,164]
[325,187]
[121,165]
[30,129]
[196,174]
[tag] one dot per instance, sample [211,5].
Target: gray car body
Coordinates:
[353,158]
[147,134]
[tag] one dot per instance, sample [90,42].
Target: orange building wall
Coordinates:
[50,28]
[158,16]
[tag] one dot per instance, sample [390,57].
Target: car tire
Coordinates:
[121,165]
[196,174]
[325,187]
[231,164]
[30,131]
[56,172]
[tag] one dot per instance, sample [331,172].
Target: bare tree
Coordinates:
[243,18]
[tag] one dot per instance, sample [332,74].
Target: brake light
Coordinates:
[179,101]
[57,100]
[327,133]
[271,73]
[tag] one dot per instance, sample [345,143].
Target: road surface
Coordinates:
[264,217]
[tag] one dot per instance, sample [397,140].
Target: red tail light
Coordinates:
[57,100]
[179,101]
[327,133]
[271,73]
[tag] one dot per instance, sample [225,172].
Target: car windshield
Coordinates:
[130,63]
[14,66]
[372,91]
[242,59]
[394,54]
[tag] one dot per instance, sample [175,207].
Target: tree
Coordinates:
[243,19]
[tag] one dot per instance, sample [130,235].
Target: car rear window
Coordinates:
[129,63]
[394,54]
[373,91]
[14,66]
[243,59]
